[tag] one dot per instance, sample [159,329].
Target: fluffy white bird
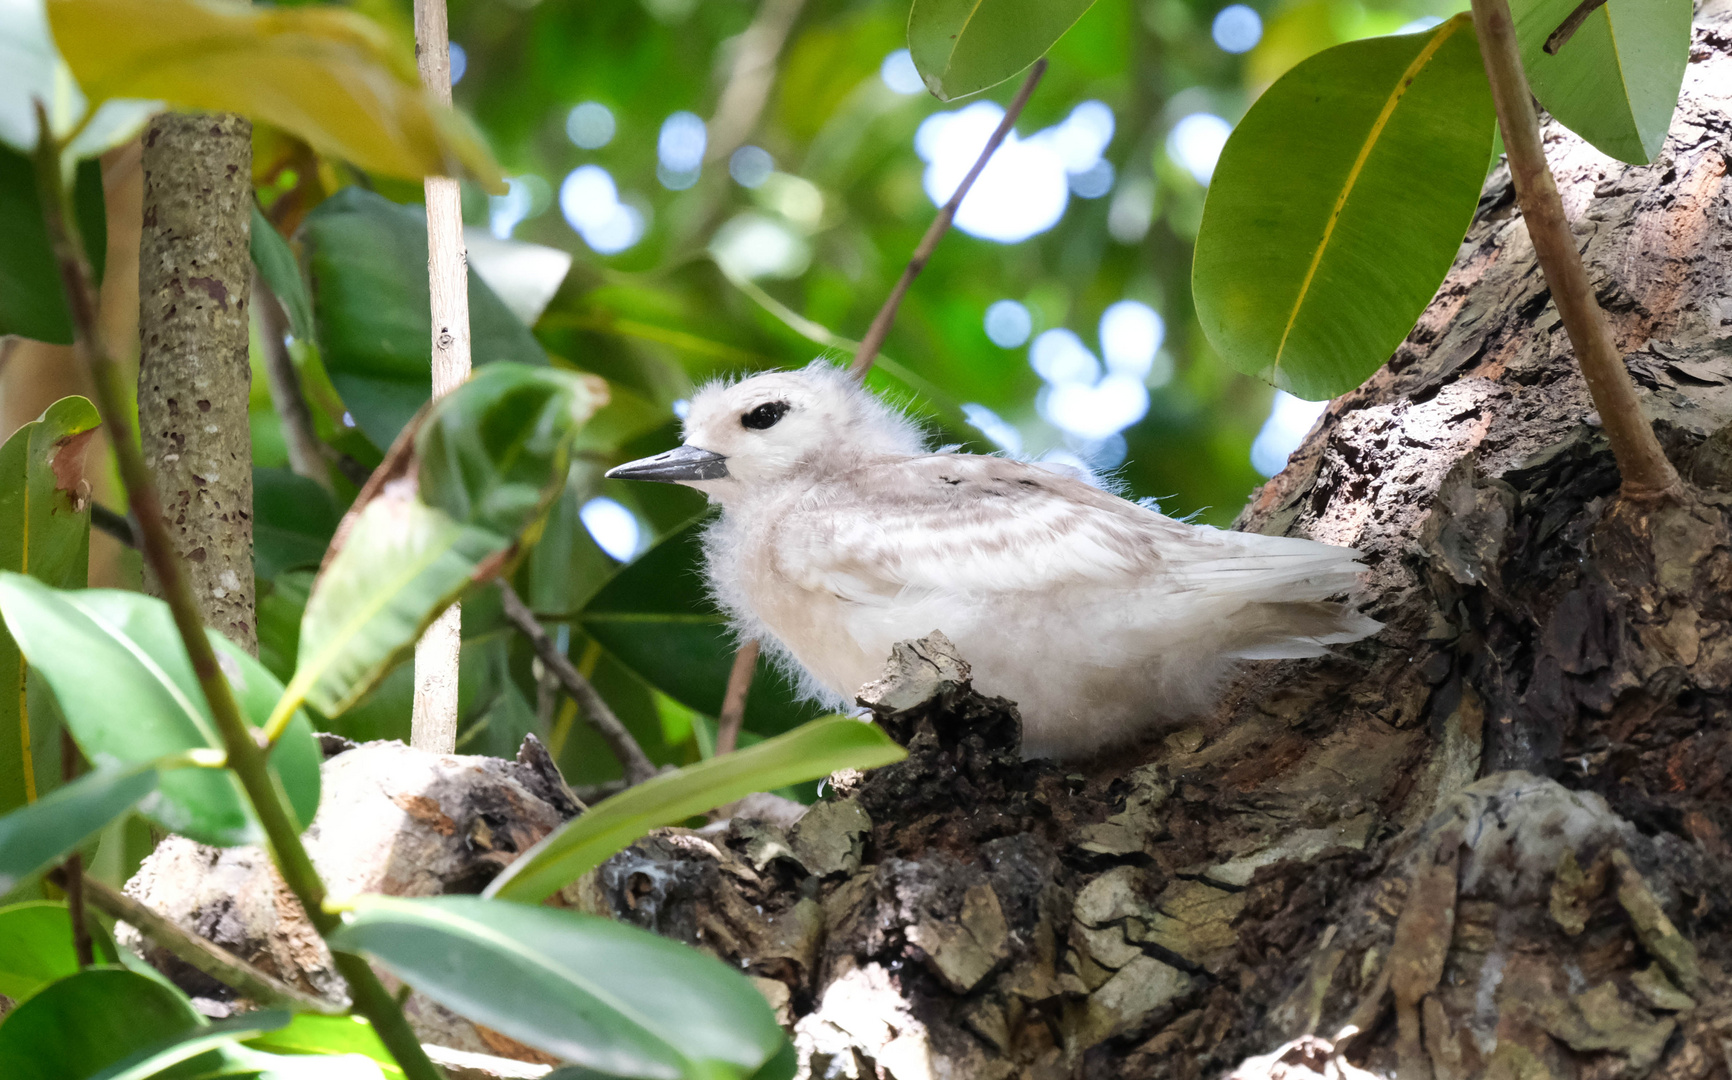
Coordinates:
[841,534]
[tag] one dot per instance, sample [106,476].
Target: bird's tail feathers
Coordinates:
[1292,630]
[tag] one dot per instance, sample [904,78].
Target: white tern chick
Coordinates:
[840,535]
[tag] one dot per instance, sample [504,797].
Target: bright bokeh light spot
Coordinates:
[1082,137]
[755,246]
[613,528]
[1021,192]
[1290,418]
[459,63]
[1008,324]
[900,74]
[590,202]
[1424,22]
[794,197]
[1237,28]
[1059,356]
[682,408]
[750,166]
[680,150]
[1002,433]
[1196,142]
[1131,334]
[1132,211]
[526,196]
[1098,411]
[1094,181]
[590,125]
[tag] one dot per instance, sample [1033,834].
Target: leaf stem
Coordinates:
[637,765]
[245,756]
[880,328]
[1647,475]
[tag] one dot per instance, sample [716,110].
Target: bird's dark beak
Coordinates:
[680,464]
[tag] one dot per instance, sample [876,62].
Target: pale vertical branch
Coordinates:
[751,77]
[434,723]
[1647,475]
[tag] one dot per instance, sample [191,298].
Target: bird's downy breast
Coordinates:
[812,624]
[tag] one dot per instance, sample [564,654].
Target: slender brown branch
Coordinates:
[880,328]
[632,759]
[1647,475]
[207,956]
[71,871]
[307,455]
[114,524]
[1573,22]
[245,757]
[734,701]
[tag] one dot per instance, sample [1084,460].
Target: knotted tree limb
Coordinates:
[632,759]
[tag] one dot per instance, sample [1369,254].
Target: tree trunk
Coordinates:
[1493,840]
[195,283]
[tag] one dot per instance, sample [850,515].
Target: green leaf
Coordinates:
[1616,81]
[495,454]
[586,989]
[401,565]
[83,1024]
[657,619]
[963,46]
[806,753]
[310,1033]
[44,831]
[115,662]
[293,521]
[278,267]
[330,76]
[1338,205]
[368,261]
[185,1045]
[32,304]
[44,532]
[36,947]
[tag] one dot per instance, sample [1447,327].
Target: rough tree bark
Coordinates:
[195,286]
[1490,841]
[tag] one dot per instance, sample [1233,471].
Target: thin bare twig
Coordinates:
[71,872]
[207,956]
[880,328]
[102,519]
[1573,22]
[1647,475]
[734,701]
[632,759]
[307,455]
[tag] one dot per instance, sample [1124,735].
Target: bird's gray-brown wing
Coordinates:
[958,522]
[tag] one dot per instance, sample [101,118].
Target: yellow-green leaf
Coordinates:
[331,76]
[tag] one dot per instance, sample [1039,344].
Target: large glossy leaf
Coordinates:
[127,689]
[43,832]
[656,617]
[75,1028]
[44,532]
[368,260]
[590,990]
[32,304]
[961,46]
[36,947]
[806,753]
[1338,205]
[281,271]
[293,520]
[1615,82]
[166,1052]
[330,76]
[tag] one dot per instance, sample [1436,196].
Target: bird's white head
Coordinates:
[763,430]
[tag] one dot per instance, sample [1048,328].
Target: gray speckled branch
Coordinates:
[194,288]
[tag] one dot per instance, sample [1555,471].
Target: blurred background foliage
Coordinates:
[700,188]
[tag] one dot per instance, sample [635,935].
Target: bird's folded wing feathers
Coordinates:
[958,522]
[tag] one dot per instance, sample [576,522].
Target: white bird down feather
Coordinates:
[840,534]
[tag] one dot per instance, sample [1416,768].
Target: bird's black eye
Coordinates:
[765,415]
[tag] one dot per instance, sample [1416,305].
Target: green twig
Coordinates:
[245,756]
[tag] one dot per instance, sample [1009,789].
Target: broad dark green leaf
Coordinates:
[293,520]
[656,617]
[43,832]
[1615,82]
[127,689]
[36,947]
[75,1028]
[961,46]
[1338,205]
[495,454]
[280,270]
[368,261]
[165,1053]
[44,532]
[32,304]
[806,753]
[589,990]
